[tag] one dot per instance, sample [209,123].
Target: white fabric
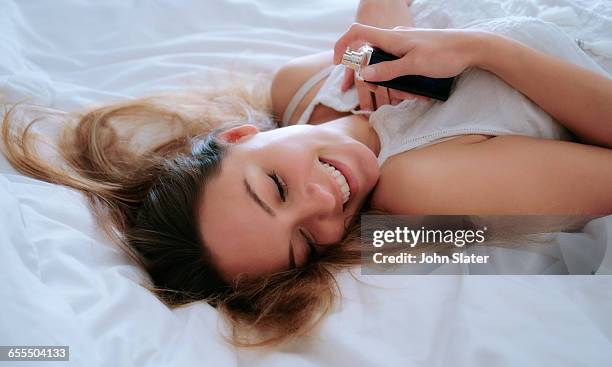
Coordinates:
[63,283]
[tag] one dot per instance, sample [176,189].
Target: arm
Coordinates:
[576,97]
[384,13]
[501,175]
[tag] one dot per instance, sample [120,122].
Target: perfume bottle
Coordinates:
[437,88]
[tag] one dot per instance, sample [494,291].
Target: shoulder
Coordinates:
[431,180]
[290,77]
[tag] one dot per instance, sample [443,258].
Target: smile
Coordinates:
[340,180]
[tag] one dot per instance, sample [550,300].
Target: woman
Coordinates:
[256,222]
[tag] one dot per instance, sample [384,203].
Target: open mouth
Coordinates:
[341,177]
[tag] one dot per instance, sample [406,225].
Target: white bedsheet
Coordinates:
[63,283]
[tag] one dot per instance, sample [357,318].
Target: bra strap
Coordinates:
[304,89]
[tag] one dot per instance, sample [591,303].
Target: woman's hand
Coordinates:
[382,14]
[437,53]
[576,97]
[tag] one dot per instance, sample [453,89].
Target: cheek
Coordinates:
[238,237]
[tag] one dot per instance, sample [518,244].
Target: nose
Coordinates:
[318,201]
[320,214]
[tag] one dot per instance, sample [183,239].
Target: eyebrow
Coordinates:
[258,200]
[271,212]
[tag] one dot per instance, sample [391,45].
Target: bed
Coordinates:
[63,283]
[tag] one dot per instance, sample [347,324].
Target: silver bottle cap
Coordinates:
[356,59]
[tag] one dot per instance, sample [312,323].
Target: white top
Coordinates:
[480,104]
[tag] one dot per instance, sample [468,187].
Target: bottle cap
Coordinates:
[356,59]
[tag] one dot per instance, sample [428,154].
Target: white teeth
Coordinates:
[340,180]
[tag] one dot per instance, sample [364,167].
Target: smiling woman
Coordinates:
[217,206]
[254,221]
[287,210]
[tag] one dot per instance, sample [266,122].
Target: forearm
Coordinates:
[384,13]
[578,98]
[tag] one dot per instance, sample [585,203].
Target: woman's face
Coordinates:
[282,194]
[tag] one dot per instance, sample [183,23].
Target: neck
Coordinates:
[357,127]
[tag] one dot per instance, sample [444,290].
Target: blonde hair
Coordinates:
[142,164]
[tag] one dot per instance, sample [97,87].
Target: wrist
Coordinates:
[384,13]
[489,50]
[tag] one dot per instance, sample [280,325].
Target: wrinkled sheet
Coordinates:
[63,283]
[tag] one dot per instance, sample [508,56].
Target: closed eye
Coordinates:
[280,185]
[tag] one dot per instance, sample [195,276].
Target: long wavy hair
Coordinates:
[143,164]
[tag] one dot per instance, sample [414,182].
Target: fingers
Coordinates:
[382,96]
[362,33]
[386,70]
[364,92]
[381,99]
[401,95]
[391,96]
[364,95]
[395,101]
[349,79]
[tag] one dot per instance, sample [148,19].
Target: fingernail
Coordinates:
[367,73]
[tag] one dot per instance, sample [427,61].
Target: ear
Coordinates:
[235,134]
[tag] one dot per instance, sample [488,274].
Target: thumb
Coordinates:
[386,70]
